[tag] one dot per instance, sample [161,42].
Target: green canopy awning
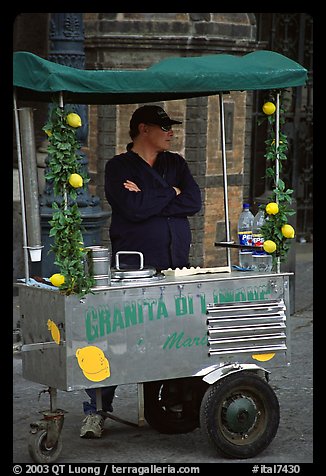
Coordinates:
[174,78]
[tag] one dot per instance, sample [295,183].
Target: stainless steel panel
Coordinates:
[43,360]
[252,327]
[152,331]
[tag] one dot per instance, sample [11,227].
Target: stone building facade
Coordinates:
[138,40]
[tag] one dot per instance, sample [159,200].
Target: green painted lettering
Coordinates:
[130,314]
[226,295]
[263,292]
[188,342]
[140,313]
[256,294]
[190,304]
[202,303]
[250,294]
[149,305]
[178,341]
[104,321]
[172,340]
[91,324]
[240,295]
[204,340]
[161,309]
[117,320]
[181,307]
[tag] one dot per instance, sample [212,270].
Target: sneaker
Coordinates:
[92,426]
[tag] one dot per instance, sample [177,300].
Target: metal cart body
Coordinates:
[171,329]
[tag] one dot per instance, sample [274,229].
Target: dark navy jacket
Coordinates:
[153,221]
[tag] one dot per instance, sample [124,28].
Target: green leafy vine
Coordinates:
[277,231]
[66,223]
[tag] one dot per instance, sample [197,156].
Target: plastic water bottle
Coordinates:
[245,223]
[261,261]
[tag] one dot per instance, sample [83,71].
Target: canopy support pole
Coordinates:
[65,195]
[225,185]
[21,188]
[277,163]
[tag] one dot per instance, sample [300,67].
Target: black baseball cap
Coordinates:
[151,115]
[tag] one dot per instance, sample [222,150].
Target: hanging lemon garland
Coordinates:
[66,229]
[276,230]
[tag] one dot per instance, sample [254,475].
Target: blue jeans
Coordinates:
[107,397]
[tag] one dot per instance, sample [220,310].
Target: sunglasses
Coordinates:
[164,128]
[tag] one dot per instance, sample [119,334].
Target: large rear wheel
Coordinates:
[240,415]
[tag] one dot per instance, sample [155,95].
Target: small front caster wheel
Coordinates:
[38,450]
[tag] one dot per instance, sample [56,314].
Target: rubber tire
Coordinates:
[251,391]
[37,450]
[161,396]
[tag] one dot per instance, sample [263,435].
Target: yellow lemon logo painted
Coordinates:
[263,357]
[94,364]
[55,333]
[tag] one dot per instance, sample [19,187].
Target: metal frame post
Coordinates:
[225,185]
[21,187]
[277,163]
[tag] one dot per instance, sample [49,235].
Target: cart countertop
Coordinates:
[171,280]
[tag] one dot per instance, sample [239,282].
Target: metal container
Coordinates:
[101,280]
[98,265]
[132,273]
[97,252]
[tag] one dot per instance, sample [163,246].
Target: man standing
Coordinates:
[152,193]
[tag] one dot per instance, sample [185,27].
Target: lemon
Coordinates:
[271,208]
[287,231]
[74,120]
[269,108]
[76,180]
[269,246]
[57,279]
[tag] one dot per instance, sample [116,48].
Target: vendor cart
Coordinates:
[199,343]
